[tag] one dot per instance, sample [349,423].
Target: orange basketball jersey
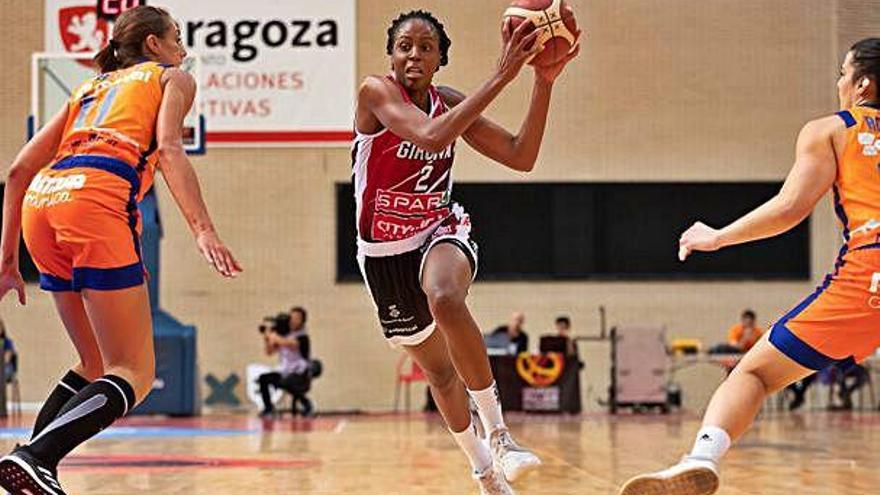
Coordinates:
[839,322]
[114,115]
[857,189]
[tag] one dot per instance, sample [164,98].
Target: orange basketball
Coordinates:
[554,18]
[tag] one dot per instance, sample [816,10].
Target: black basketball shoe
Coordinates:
[22,474]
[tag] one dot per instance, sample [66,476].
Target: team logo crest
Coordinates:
[82,30]
[393,311]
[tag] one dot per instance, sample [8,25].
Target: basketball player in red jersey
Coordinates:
[413,241]
[837,324]
[73,191]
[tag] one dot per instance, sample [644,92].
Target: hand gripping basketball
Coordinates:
[555,24]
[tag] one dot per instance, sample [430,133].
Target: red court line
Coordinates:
[243,422]
[279,136]
[151,462]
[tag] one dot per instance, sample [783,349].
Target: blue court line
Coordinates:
[141,432]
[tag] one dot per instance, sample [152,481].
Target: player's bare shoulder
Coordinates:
[180,78]
[375,88]
[823,131]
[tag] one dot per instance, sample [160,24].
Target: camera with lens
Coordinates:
[279,324]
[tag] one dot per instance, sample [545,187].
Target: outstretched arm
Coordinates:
[35,155]
[811,177]
[381,98]
[180,90]
[517,152]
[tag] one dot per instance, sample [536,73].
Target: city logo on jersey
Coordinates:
[408,151]
[390,227]
[82,31]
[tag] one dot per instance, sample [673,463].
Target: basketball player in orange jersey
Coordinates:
[80,221]
[413,241]
[840,322]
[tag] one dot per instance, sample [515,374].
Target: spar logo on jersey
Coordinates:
[81,29]
[403,203]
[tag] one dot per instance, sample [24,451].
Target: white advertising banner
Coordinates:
[273,71]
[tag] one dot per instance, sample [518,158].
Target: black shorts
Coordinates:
[395,284]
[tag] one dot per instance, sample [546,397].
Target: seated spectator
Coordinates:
[745,334]
[516,334]
[848,378]
[561,340]
[799,389]
[10,357]
[288,338]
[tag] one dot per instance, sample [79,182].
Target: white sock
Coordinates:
[476,451]
[489,407]
[712,443]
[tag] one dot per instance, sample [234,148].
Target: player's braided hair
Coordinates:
[428,17]
[866,59]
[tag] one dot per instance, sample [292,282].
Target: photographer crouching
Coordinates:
[286,335]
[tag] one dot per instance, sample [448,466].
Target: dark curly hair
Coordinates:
[866,59]
[428,17]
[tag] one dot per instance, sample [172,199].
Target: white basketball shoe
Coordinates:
[691,476]
[492,482]
[514,461]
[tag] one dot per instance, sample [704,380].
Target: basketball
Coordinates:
[555,19]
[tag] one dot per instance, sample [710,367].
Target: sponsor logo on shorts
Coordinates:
[402,331]
[874,300]
[395,317]
[48,191]
[393,311]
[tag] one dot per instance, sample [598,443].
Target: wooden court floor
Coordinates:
[787,454]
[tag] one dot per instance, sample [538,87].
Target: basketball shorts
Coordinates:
[395,283]
[81,225]
[840,322]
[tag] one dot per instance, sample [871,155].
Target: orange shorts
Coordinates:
[840,322]
[81,225]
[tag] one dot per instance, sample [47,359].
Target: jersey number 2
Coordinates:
[424,175]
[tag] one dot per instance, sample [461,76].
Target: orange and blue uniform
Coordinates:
[840,321]
[79,218]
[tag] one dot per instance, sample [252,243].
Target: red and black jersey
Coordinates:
[402,192]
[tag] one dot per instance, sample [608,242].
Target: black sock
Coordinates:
[91,410]
[71,384]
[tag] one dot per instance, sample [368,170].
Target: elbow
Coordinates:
[792,211]
[16,172]
[19,173]
[522,164]
[525,166]
[434,142]
[169,152]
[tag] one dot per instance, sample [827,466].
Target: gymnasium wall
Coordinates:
[679,90]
